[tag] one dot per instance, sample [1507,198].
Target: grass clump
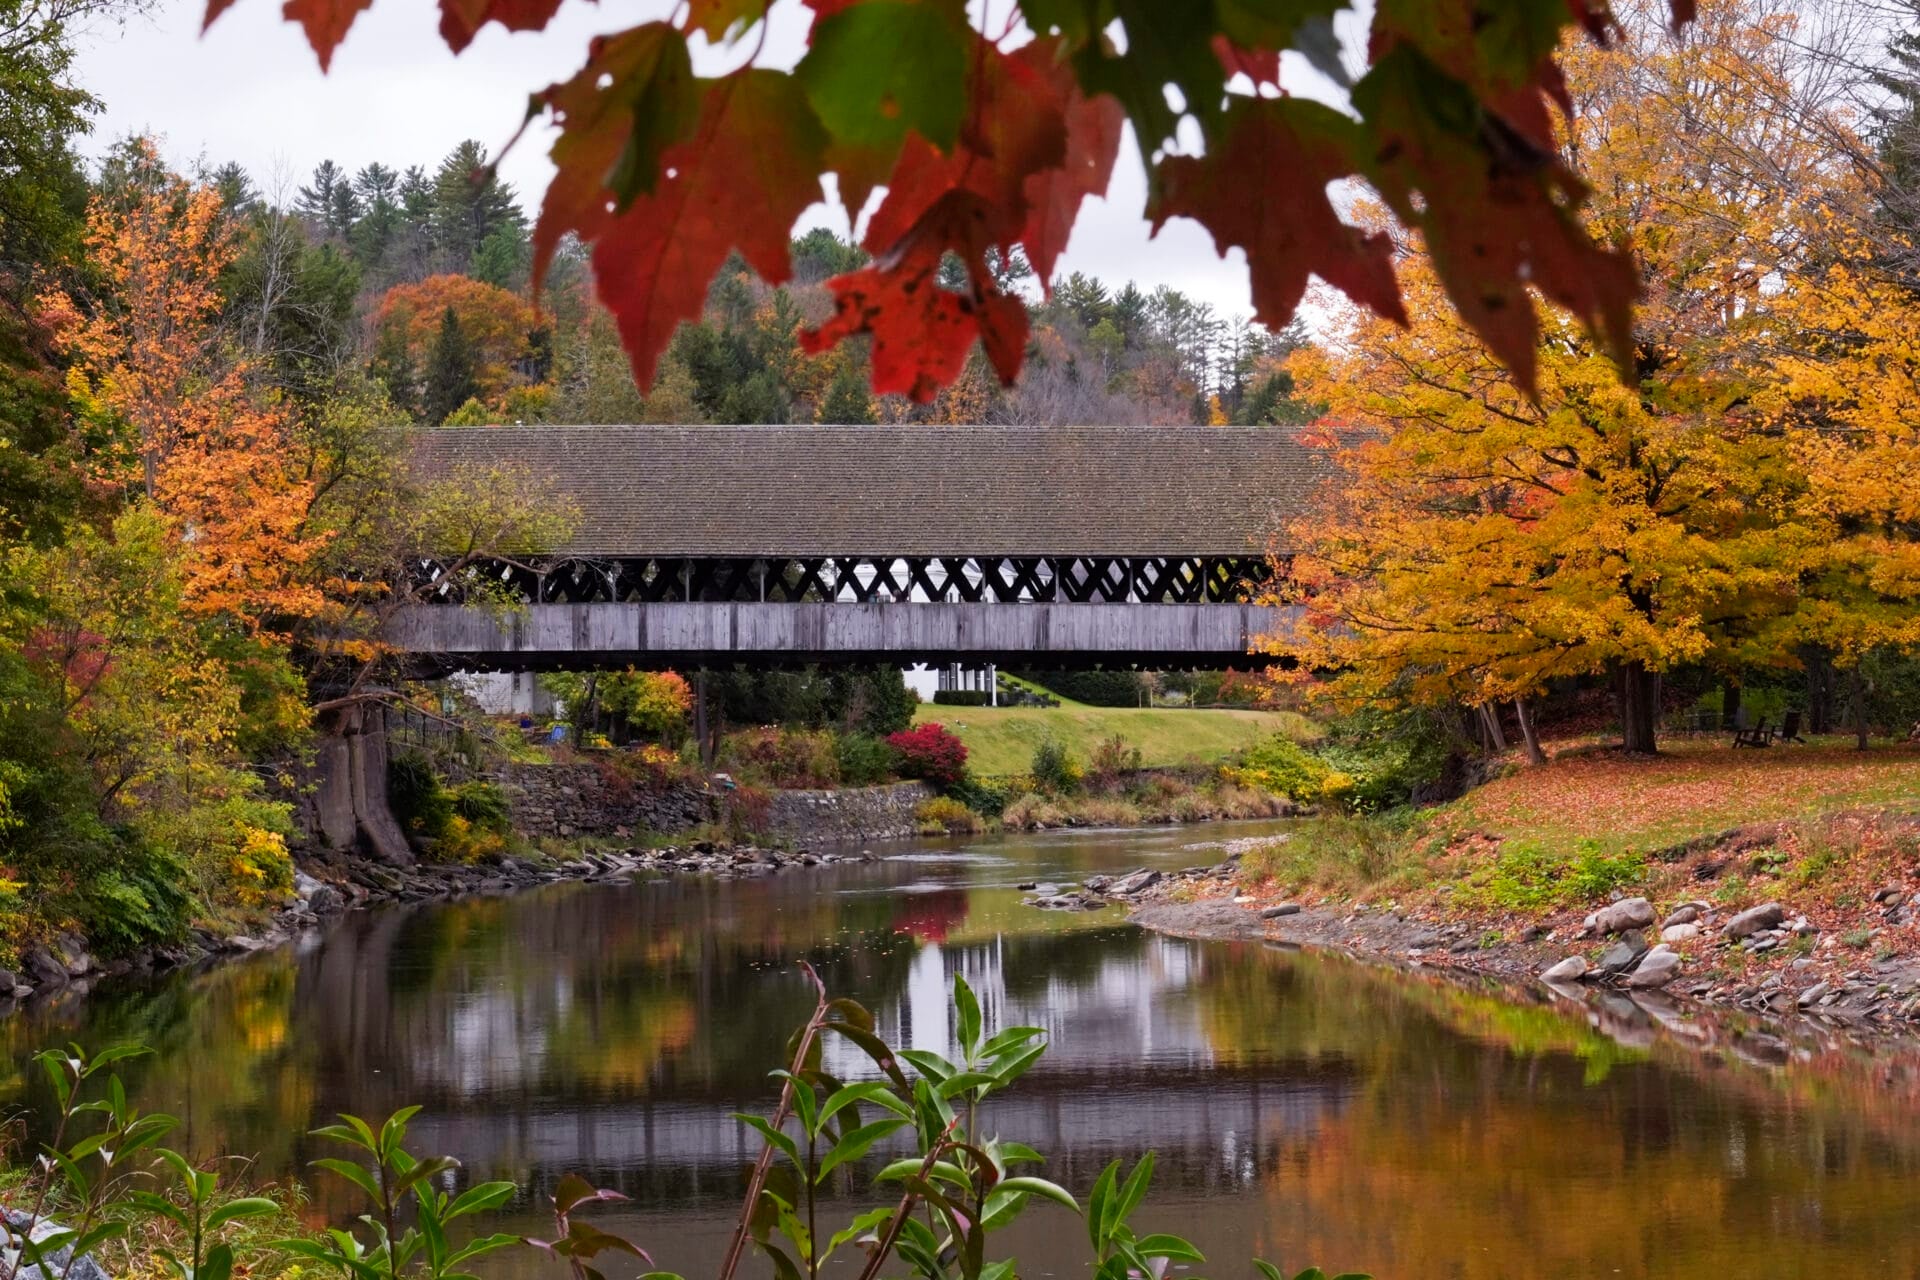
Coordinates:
[1337,851]
[1531,876]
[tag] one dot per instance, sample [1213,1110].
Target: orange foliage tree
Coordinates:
[190,432]
[499,324]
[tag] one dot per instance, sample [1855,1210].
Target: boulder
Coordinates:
[44,969]
[1280,909]
[1680,932]
[1686,914]
[1656,969]
[1095,884]
[57,1266]
[1138,882]
[72,952]
[1754,919]
[1572,969]
[1628,913]
[326,901]
[1624,954]
[1811,996]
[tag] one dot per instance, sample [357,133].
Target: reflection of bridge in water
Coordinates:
[1130,1069]
[1119,545]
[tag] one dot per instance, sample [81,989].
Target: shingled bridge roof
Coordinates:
[914,490]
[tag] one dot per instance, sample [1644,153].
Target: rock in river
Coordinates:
[1622,955]
[1656,969]
[1138,882]
[1572,969]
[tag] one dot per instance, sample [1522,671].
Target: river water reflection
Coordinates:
[1304,1108]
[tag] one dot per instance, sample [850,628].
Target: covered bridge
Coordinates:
[1083,545]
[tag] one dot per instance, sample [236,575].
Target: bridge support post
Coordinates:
[348,804]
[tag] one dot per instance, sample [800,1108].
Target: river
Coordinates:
[1305,1108]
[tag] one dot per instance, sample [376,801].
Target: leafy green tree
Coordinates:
[450,377]
[43,192]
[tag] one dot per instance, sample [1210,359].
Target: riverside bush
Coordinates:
[931,753]
[773,756]
[943,1204]
[1285,768]
[944,815]
[1054,769]
[865,760]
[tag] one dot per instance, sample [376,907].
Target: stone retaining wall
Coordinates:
[569,800]
[852,814]
[573,800]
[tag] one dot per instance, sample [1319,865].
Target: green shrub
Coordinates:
[484,805]
[1389,756]
[1285,768]
[416,797]
[962,698]
[865,760]
[988,799]
[1054,769]
[785,758]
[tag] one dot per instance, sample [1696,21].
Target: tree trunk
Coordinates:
[1730,705]
[1819,690]
[700,726]
[1534,754]
[1639,707]
[1857,692]
[1496,737]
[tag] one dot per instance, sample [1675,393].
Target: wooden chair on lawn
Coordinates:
[1757,736]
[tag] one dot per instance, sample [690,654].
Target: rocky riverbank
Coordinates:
[327,886]
[1766,959]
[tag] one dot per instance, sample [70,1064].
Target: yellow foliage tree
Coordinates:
[1483,541]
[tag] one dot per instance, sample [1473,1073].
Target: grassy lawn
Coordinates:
[1000,740]
[1691,789]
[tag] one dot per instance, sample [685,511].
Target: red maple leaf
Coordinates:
[1264,188]
[741,181]
[1016,128]
[325,21]
[922,332]
[1262,66]
[1054,194]
[461,20]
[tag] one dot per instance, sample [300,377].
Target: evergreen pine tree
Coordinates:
[848,401]
[450,371]
[392,366]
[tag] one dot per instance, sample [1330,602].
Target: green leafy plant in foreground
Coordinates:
[955,1187]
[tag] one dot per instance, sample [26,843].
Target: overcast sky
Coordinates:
[250,90]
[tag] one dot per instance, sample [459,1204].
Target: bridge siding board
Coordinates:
[598,634]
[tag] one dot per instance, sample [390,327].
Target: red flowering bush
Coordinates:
[930,753]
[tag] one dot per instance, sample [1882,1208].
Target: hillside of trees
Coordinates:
[420,277]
